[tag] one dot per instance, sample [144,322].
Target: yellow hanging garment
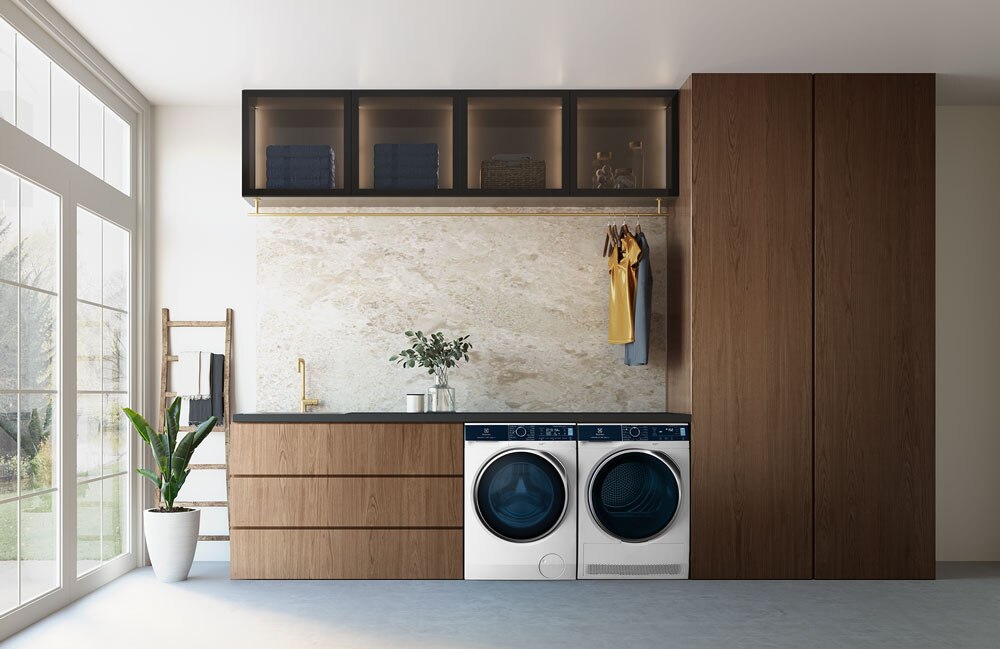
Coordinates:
[621,305]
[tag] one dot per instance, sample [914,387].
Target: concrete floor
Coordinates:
[960,609]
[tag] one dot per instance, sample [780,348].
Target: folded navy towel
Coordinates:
[407,155]
[405,162]
[301,183]
[410,172]
[429,149]
[406,183]
[397,179]
[299,151]
[291,166]
[302,178]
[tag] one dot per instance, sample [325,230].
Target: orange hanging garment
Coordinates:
[622,266]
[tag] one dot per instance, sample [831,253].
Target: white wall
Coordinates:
[204,261]
[968,333]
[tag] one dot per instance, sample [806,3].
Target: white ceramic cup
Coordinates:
[414,403]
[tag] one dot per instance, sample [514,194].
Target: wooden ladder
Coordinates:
[222,426]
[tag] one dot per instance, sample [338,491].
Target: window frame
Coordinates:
[28,158]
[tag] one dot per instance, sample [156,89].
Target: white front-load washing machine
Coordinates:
[634,501]
[520,501]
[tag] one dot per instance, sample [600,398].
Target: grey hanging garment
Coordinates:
[637,353]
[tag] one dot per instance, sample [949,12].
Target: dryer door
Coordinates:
[521,495]
[634,494]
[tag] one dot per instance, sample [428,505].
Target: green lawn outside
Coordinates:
[39,525]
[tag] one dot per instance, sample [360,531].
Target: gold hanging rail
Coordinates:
[618,212]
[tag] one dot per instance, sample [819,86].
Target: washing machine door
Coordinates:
[521,495]
[634,494]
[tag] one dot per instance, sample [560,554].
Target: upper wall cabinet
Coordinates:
[516,143]
[512,143]
[405,142]
[625,143]
[296,143]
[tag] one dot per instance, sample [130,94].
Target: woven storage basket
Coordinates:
[527,174]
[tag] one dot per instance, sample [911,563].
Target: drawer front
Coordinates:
[346,449]
[381,501]
[346,554]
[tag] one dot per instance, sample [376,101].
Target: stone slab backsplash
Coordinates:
[531,291]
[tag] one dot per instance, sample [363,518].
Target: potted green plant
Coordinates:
[437,356]
[171,532]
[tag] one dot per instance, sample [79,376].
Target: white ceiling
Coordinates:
[203,52]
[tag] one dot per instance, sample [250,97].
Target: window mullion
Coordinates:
[17,472]
[68,432]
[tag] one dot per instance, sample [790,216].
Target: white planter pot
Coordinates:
[171,539]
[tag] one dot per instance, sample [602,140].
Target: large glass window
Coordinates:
[8,40]
[65,525]
[45,102]
[33,100]
[102,390]
[29,398]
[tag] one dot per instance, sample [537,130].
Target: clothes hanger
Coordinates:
[638,228]
[607,241]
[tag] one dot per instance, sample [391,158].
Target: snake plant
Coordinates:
[172,457]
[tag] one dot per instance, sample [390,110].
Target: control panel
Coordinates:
[520,433]
[635,432]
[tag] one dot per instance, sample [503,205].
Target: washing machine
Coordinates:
[520,501]
[634,499]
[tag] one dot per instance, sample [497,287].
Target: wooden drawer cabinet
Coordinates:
[383,501]
[346,449]
[346,554]
[346,501]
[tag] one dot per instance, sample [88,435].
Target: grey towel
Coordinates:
[218,386]
[637,353]
[200,410]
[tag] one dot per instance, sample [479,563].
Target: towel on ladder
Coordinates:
[201,409]
[185,416]
[218,379]
[186,374]
[205,375]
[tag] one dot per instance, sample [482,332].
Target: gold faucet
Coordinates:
[304,403]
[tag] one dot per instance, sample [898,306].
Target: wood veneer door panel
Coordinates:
[751,225]
[346,449]
[874,403]
[346,554]
[383,501]
[679,252]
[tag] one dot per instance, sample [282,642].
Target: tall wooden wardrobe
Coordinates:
[800,323]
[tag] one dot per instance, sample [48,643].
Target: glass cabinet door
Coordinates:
[625,143]
[515,143]
[405,142]
[296,143]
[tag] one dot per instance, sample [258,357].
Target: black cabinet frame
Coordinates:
[460,188]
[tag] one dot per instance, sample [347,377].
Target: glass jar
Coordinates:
[440,397]
[624,178]
[602,174]
[635,152]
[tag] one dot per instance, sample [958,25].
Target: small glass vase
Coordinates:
[440,397]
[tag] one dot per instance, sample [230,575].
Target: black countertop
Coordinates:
[463,417]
